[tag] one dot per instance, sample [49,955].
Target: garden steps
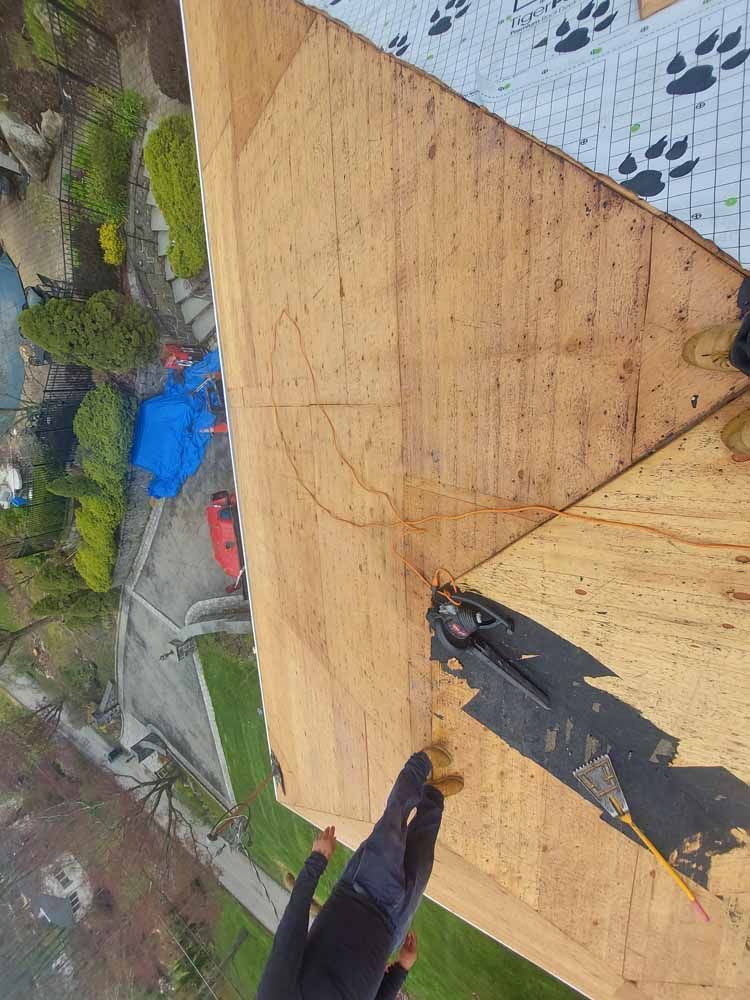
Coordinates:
[158,222]
[181,289]
[205,324]
[192,307]
[197,309]
[163,242]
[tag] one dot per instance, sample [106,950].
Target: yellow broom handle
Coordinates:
[628,820]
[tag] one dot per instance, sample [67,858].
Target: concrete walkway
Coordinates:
[248,885]
[174,569]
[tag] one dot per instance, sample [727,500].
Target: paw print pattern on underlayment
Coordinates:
[650,182]
[572,40]
[703,75]
[440,23]
[399,44]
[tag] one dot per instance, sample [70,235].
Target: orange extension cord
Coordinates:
[418,523]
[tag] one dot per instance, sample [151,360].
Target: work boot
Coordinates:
[439,757]
[451,784]
[710,348]
[736,434]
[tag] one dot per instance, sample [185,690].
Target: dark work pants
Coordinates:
[394,864]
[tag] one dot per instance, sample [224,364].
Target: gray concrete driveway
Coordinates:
[174,569]
[180,568]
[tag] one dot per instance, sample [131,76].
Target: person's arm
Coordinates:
[395,975]
[393,980]
[280,976]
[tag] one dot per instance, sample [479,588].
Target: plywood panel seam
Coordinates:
[581,501]
[683,429]
[627,923]
[335,202]
[272,95]
[367,751]
[210,156]
[606,509]
[642,326]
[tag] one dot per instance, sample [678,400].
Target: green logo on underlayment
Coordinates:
[596,52]
[730,202]
[635,128]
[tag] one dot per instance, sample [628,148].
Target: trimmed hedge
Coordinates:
[172,164]
[106,332]
[81,608]
[104,428]
[98,534]
[73,486]
[109,509]
[96,567]
[58,578]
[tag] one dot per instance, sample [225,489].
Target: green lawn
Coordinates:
[7,618]
[456,961]
[9,709]
[247,964]
[202,805]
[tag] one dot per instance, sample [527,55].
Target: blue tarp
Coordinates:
[172,430]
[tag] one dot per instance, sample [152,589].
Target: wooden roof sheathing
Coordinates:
[488,324]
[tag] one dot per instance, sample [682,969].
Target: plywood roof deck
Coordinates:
[488,324]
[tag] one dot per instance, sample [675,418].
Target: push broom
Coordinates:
[598,777]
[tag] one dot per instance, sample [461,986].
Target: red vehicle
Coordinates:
[224,526]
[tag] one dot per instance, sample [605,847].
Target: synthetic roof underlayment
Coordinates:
[659,103]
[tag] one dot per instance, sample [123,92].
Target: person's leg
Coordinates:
[421,836]
[377,867]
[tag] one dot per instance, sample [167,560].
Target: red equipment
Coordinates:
[224,527]
[176,356]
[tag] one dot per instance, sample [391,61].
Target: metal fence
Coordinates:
[83,46]
[53,424]
[88,70]
[85,270]
[36,526]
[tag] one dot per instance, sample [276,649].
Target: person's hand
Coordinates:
[408,954]
[325,842]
